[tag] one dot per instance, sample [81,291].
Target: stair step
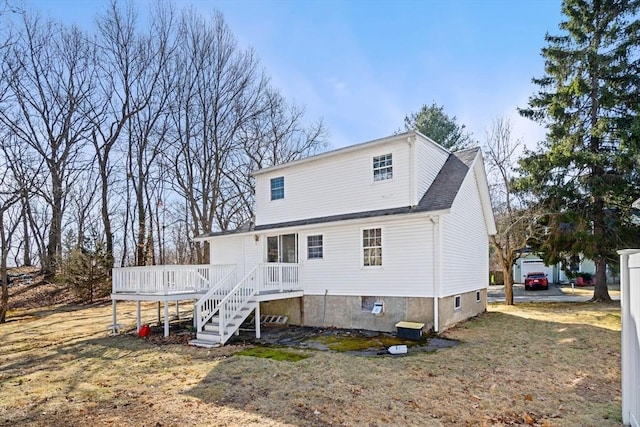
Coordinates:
[211,337]
[203,343]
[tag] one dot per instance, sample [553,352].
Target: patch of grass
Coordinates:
[343,343]
[274,353]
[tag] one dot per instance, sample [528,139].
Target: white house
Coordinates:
[534,263]
[394,229]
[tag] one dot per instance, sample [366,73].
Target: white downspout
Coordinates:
[436,272]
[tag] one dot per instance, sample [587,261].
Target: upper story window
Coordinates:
[314,247]
[372,247]
[277,188]
[382,167]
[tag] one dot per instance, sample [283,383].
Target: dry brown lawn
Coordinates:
[537,364]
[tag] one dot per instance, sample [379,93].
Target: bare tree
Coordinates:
[12,184]
[130,68]
[515,218]
[220,88]
[51,83]
[275,136]
[228,122]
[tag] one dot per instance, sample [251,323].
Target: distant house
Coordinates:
[533,263]
[363,237]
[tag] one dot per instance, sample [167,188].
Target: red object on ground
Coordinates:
[144,331]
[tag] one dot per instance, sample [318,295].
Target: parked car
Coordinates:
[536,280]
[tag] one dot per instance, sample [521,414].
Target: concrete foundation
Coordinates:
[353,312]
[469,307]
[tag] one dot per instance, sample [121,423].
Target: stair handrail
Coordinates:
[202,316]
[236,295]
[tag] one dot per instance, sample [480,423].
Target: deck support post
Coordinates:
[177,310]
[257,316]
[114,327]
[159,314]
[138,317]
[166,319]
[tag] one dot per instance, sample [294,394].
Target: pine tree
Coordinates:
[585,172]
[433,122]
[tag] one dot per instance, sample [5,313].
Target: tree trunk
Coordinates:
[26,259]
[4,252]
[54,246]
[507,273]
[106,219]
[600,290]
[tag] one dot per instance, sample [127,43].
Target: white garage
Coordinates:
[534,266]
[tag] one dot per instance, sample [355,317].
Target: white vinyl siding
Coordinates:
[430,160]
[336,185]
[407,266]
[465,243]
[242,250]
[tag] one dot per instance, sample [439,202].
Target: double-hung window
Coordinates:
[277,188]
[314,247]
[372,247]
[382,167]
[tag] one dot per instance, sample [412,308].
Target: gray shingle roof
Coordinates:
[439,196]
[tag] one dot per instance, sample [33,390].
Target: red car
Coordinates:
[536,280]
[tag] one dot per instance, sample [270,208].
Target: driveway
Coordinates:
[554,293]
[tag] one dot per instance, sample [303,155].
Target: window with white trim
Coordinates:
[372,247]
[382,167]
[457,302]
[478,296]
[314,247]
[277,188]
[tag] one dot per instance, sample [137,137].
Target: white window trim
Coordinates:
[457,298]
[371,160]
[478,296]
[307,246]
[271,199]
[371,267]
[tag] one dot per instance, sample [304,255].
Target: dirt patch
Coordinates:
[354,342]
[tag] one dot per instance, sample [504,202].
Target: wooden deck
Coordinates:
[175,283]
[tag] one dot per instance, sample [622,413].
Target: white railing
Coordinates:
[207,306]
[168,279]
[234,302]
[276,276]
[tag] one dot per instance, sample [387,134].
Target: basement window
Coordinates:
[457,302]
[478,296]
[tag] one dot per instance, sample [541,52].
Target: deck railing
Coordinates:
[168,279]
[208,305]
[279,276]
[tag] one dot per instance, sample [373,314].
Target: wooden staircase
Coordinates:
[212,336]
[221,311]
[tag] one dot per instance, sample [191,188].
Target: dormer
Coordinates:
[385,173]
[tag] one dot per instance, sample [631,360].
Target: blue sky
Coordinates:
[362,66]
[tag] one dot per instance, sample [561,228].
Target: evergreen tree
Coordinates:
[585,173]
[433,122]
